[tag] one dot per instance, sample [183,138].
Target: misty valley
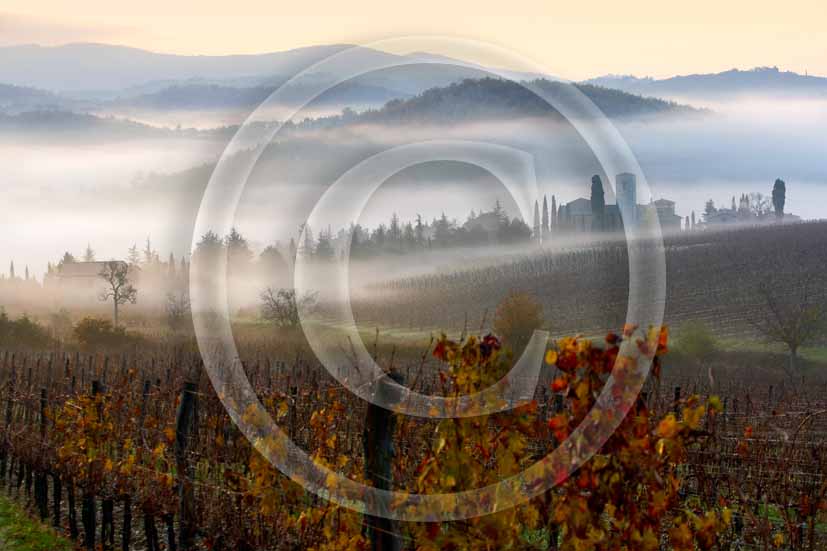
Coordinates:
[229,322]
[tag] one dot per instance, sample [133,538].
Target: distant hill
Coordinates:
[489,98]
[218,97]
[17,99]
[466,101]
[90,67]
[101,71]
[129,83]
[55,125]
[762,82]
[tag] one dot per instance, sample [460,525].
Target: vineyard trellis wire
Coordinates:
[144,395]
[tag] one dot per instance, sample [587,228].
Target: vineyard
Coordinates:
[125,444]
[135,451]
[415,292]
[712,277]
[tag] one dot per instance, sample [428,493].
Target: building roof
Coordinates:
[579,206]
[664,203]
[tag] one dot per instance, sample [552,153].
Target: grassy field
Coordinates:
[18,532]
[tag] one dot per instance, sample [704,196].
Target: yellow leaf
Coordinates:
[693,416]
[600,462]
[668,427]
[726,514]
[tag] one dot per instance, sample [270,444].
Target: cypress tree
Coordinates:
[598,201]
[536,220]
[779,197]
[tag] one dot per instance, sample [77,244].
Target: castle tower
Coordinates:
[626,191]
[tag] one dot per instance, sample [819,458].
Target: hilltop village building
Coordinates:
[80,280]
[579,216]
[747,212]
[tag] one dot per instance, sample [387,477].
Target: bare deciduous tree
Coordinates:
[178,309]
[759,204]
[118,288]
[281,306]
[793,314]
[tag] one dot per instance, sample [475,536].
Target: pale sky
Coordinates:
[570,39]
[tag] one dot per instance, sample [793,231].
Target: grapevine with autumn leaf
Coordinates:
[625,497]
[635,492]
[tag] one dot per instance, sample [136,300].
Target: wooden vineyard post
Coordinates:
[57,494]
[380,425]
[291,417]
[70,503]
[185,421]
[4,446]
[126,536]
[88,503]
[21,475]
[27,417]
[41,481]
[108,523]
[169,522]
[126,530]
[151,531]
[105,369]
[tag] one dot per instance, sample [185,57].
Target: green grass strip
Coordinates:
[19,532]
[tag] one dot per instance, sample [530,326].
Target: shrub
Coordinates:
[95,332]
[517,316]
[178,311]
[282,306]
[23,332]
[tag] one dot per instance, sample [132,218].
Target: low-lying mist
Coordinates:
[59,197]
